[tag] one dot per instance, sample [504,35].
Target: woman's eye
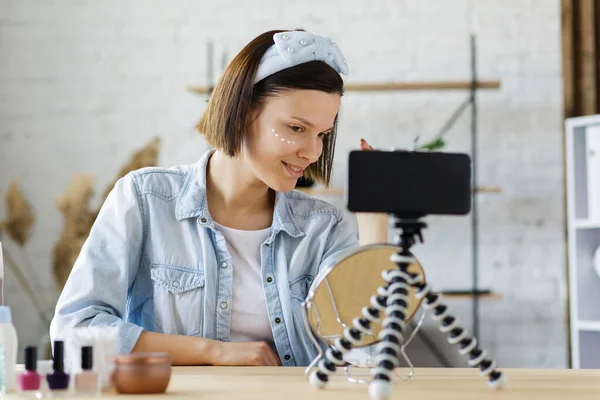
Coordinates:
[296,128]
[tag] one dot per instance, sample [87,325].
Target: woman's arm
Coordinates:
[192,350]
[372,227]
[95,293]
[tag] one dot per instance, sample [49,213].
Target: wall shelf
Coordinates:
[337,191]
[200,89]
[393,86]
[488,189]
[468,294]
[586,224]
[588,326]
[409,86]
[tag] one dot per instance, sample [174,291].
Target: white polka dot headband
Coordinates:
[297,47]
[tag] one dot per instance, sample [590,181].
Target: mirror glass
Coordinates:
[338,294]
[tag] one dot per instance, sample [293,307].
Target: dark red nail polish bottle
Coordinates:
[58,379]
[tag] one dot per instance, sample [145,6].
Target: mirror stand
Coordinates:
[391,302]
[350,376]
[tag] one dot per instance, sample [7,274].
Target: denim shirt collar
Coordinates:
[192,203]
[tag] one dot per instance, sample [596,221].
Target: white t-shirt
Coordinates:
[249,318]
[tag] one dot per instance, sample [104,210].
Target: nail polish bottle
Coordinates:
[30,380]
[86,381]
[58,380]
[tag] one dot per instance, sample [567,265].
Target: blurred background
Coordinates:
[91,89]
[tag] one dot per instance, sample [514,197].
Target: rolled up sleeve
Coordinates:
[95,293]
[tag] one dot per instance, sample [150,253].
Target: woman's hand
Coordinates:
[245,354]
[364,145]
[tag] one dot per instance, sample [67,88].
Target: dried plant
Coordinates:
[17,227]
[78,219]
[79,216]
[20,215]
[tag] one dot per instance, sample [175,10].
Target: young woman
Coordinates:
[210,262]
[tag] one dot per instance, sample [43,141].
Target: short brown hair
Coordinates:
[227,114]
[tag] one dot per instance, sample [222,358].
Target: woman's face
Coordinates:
[286,135]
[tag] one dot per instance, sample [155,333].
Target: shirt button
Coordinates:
[267,244]
[224,265]
[203,220]
[223,305]
[287,357]
[277,320]
[269,279]
[175,284]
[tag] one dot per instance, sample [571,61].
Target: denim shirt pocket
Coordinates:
[178,299]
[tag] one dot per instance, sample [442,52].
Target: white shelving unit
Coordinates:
[583,223]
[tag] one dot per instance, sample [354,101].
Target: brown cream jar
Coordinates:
[141,373]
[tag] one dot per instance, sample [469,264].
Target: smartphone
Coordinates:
[409,184]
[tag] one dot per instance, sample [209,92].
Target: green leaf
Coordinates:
[433,145]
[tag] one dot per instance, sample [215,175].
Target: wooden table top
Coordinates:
[289,383]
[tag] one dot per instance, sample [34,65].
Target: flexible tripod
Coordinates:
[392,301]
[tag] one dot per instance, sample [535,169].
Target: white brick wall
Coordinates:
[84,83]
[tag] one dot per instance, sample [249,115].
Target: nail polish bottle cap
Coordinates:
[31,358]
[59,354]
[5,315]
[87,357]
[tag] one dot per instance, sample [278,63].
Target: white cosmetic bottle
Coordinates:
[9,343]
[8,340]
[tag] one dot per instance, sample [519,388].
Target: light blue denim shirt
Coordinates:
[155,261]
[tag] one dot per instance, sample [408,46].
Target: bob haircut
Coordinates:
[235,96]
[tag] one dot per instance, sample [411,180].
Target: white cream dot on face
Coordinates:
[282,139]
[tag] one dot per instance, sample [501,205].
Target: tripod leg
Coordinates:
[390,348]
[457,335]
[352,336]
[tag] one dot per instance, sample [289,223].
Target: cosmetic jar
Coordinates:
[141,373]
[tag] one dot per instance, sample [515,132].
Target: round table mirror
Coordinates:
[338,294]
